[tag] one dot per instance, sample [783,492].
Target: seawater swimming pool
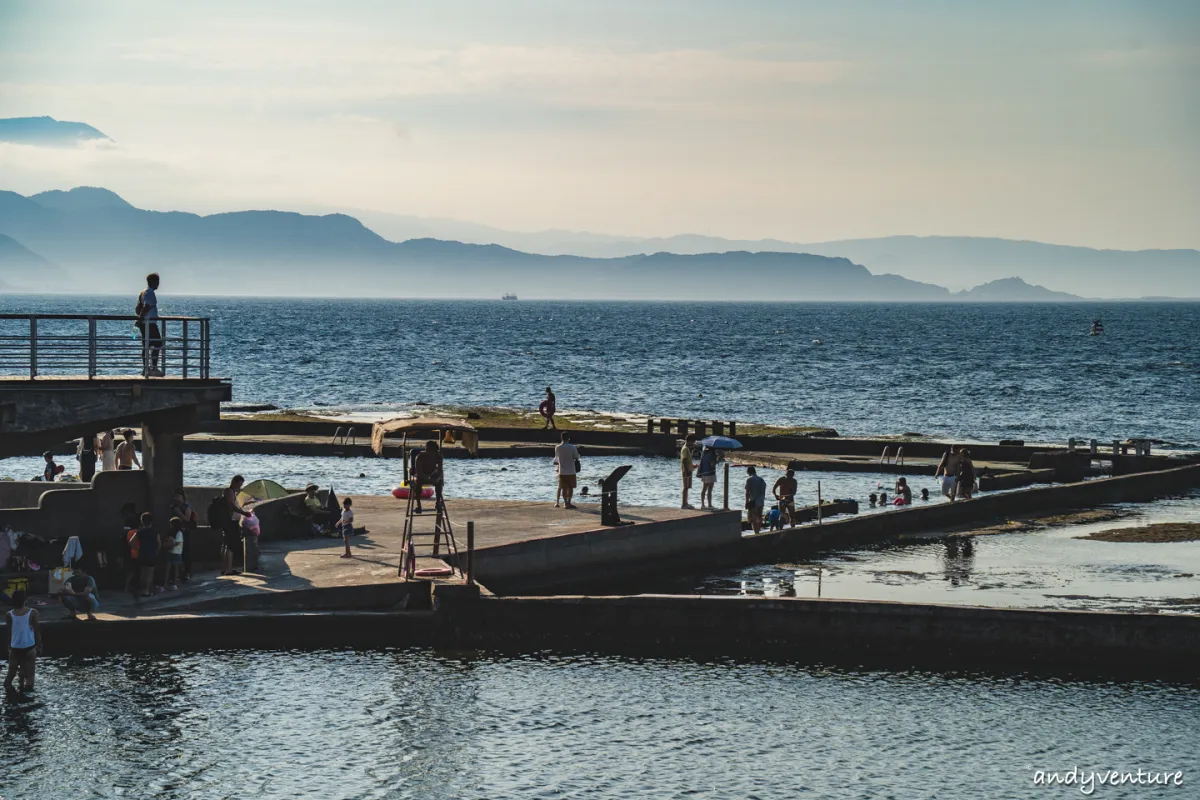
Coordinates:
[417,724]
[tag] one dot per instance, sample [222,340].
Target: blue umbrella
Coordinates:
[721,443]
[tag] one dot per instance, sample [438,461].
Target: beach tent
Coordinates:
[442,428]
[260,490]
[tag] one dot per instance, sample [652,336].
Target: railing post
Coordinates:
[204,335]
[33,370]
[186,323]
[92,361]
[726,487]
[470,551]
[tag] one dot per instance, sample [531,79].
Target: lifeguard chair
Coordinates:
[445,431]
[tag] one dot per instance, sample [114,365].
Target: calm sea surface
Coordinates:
[400,724]
[981,371]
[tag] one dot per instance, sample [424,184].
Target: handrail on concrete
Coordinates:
[62,345]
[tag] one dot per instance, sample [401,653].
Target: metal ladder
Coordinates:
[442,533]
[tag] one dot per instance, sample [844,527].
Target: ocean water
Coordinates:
[982,371]
[414,724]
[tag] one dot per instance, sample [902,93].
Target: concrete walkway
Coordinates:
[300,564]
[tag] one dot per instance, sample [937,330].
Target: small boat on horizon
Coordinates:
[1097,328]
[508,296]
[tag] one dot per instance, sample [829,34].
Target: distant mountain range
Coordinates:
[46,131]
[90,239]
[954,261]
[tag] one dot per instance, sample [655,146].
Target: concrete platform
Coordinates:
[309,445]
[518,544]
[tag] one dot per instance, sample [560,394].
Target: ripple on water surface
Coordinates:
[408,723]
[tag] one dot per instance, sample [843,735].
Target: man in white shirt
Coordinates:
[147,321]
[566,456]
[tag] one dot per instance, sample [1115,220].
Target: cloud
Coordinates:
[323,71]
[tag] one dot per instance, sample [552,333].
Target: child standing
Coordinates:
[175,554]
[51,471]
[346,526]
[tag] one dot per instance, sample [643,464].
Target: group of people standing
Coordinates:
[103,452]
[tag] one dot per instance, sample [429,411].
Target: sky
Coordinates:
[1068,122]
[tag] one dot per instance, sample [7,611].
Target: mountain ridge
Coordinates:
[104,240]
[959,262]
[47,131]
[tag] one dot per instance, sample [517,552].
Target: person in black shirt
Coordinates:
[147,552]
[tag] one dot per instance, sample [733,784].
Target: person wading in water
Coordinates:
[24,643]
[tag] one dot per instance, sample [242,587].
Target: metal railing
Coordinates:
[64,345]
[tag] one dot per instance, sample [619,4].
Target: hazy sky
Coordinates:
[1073,122]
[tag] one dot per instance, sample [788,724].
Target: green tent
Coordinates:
[260,490]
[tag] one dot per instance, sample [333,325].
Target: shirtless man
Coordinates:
[427,471]
[785,492]
[948,468]
[127,455]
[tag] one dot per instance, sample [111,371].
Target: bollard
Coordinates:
[726,485]
[470,551]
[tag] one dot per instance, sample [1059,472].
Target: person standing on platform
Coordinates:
[147,322]
[686,467]
[428,470]
[148,548]
[232,532]
[756,498]
[785,492]
[126,453]
[566,457]
[707,472]
[108,457]
[346,525]
[181,508]
[547,409]
[86,455]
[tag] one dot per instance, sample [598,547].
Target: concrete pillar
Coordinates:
[162,460]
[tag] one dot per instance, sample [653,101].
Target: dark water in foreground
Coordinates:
[382,724]
[981,371]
